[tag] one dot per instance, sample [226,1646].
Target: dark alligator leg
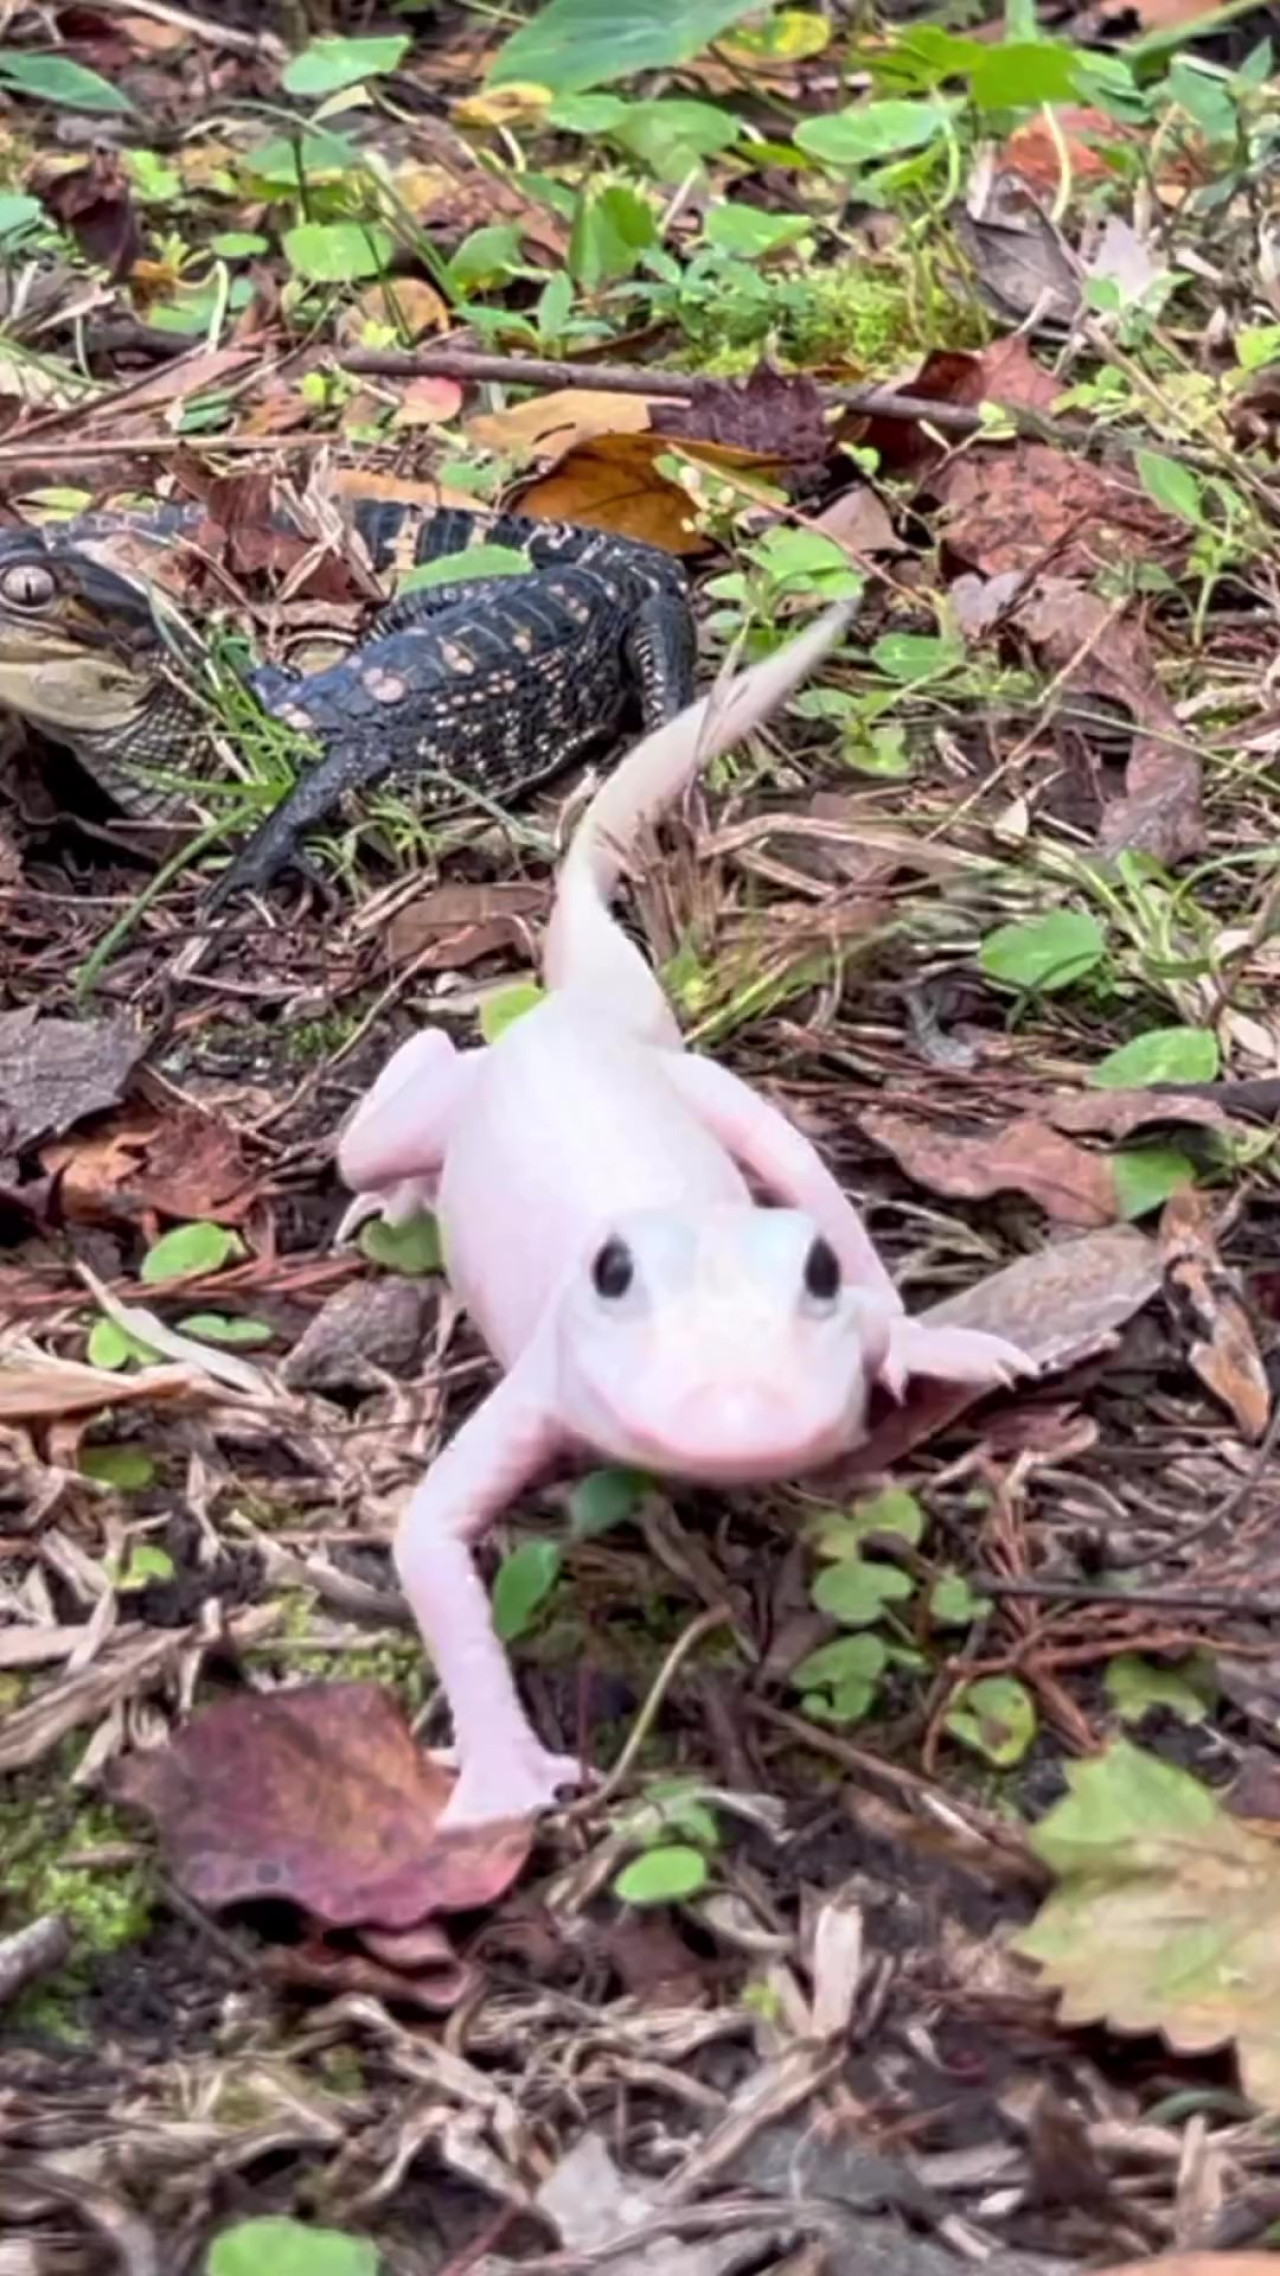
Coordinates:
[661,649]
[357,765]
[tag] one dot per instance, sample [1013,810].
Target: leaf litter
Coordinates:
[991,913]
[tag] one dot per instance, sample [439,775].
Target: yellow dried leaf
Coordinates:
[520,104]
[549,426]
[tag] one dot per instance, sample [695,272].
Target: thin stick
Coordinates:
[641,379]
[678,386]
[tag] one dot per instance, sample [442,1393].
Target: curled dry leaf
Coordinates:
[321,1796]
[1062,1305]
[771,414]
[184,1165]
[615,483]
[1028,1156]
[1078,633]
[1223,1350]
[53,1072]
[433,1979]
[550,426]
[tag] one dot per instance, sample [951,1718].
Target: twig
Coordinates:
[647,1716]
[36,1950]
[642,379]
[678,386]
[1140,1599]
[200,28]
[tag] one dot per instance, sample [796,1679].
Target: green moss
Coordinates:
[44,1831]
[312,1041]
[853,313]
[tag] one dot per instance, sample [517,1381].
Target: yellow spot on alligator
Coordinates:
[385,686]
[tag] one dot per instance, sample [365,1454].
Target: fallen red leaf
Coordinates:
[321,1796]
[185,1165]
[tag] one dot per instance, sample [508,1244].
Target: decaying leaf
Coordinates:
[453,925]
[550,426]
[1063,1304]
[185,1165]
[1078,633]
[1165,1916]
[772,414]
[322,1796]
[1019,256]
[1026,1156]
[1223,1349]
[615,483]
[53,1072]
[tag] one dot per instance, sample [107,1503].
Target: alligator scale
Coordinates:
[487,686]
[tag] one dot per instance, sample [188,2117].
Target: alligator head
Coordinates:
[84,656]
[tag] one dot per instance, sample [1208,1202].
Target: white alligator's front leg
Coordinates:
[759,1135]
[504,1769]
[784,1162]
[392,1149]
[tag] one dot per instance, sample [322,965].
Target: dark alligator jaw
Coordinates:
[83,659]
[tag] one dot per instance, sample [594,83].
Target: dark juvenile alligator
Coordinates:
[484,684]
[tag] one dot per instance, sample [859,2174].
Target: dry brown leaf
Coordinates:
[549,426]
[771,414]
[409,305]
[1010,507]
[614,483]
[860,520]
[1067,1181]
[322,1796]
[437,1985]
[38,1390]
[1063,1305]
[1114,1114]
[54,1072]
[452,926]
[184,1165]
[1078,634]
[1223,1351]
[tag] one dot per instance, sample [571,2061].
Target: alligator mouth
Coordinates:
[123,718]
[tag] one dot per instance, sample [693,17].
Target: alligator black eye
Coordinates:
[822,1272]
[613,1270]
[28,585]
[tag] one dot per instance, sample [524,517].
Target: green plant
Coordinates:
[667,1870]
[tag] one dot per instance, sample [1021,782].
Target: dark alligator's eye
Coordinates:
[822,1272]
[28,585]
[613,1270]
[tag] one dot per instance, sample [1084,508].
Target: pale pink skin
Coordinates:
[586,1121]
